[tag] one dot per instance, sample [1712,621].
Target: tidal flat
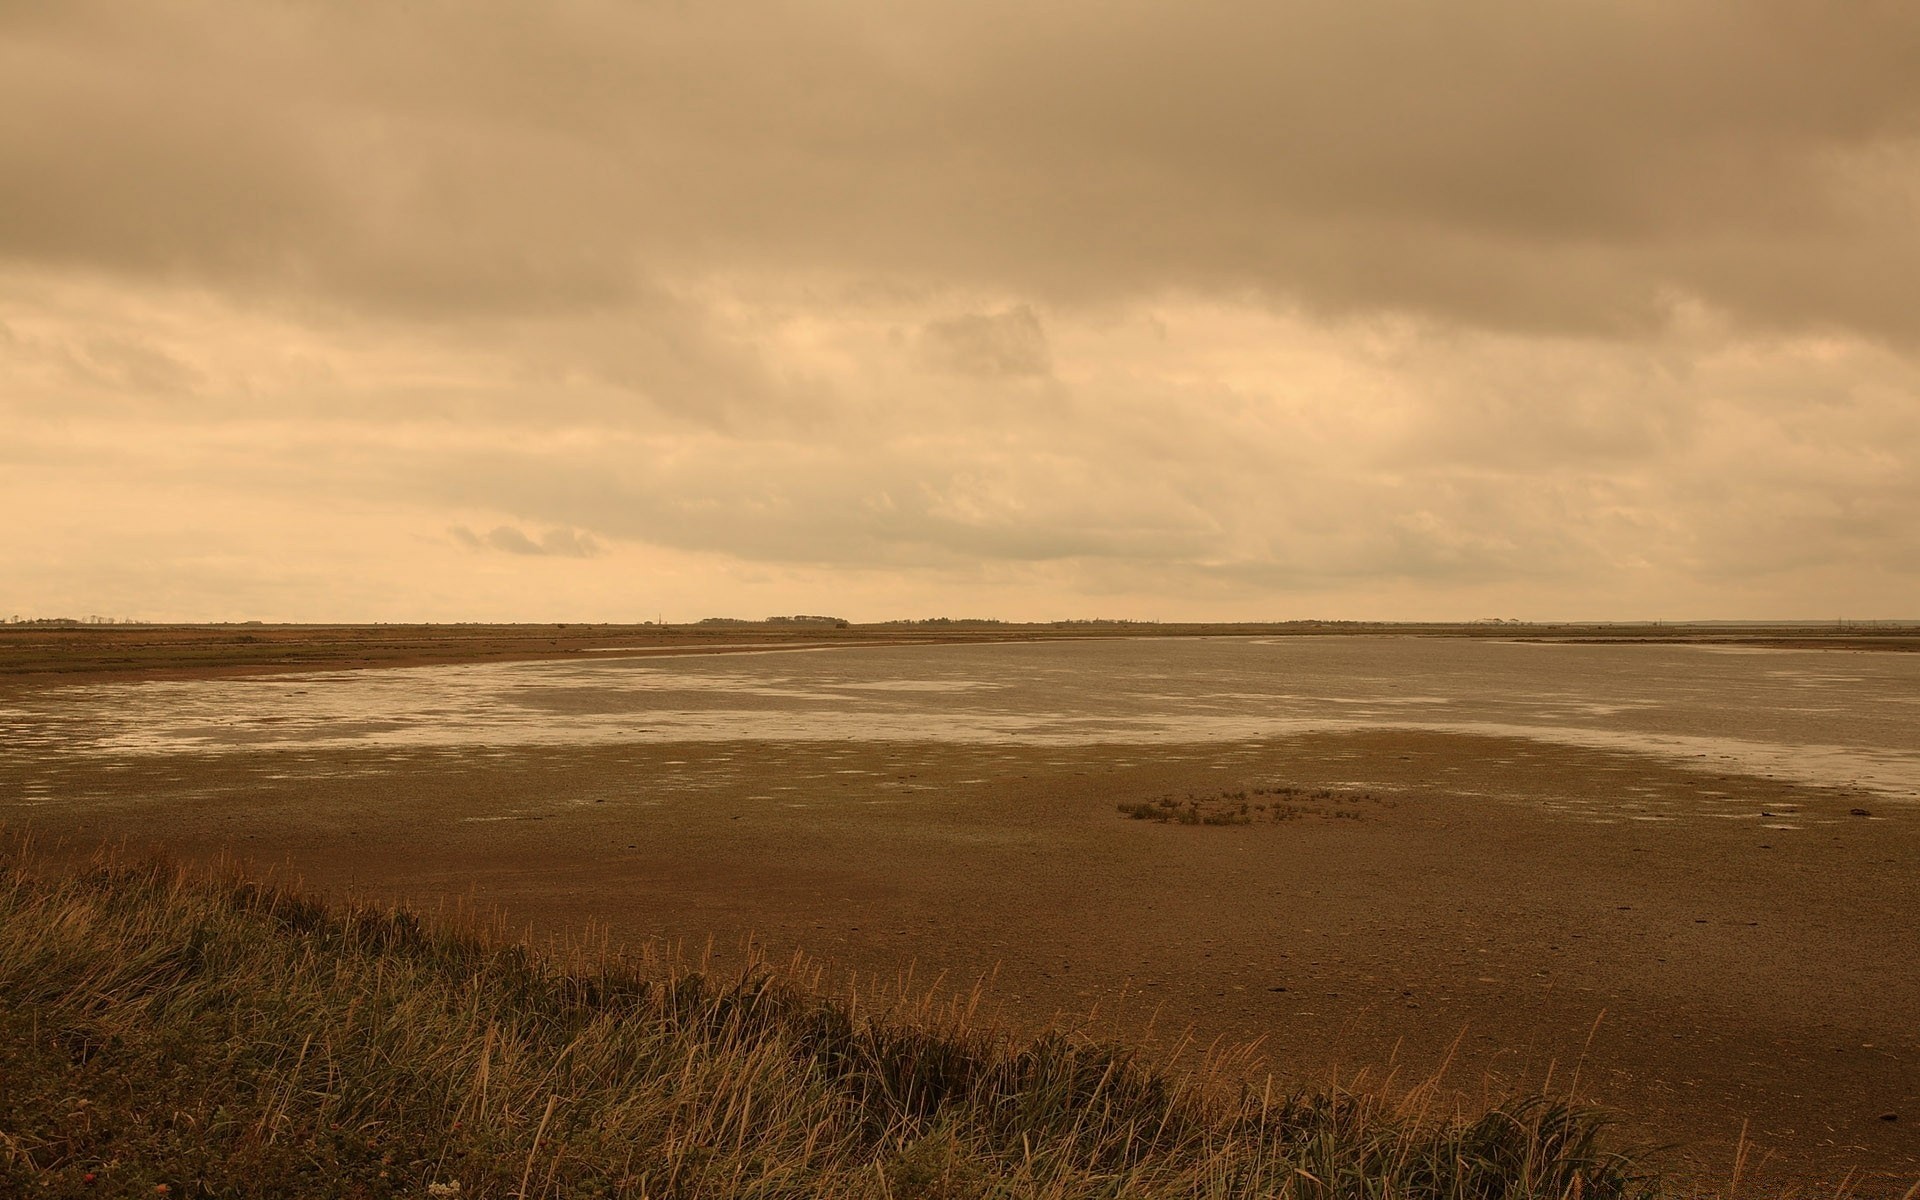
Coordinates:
[1685,873]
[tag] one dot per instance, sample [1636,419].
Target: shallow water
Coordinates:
[1844,718]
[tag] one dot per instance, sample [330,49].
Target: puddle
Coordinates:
[1712,713]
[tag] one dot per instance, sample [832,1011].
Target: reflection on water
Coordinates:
[1820,717]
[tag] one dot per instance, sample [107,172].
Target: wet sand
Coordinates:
[1528,901]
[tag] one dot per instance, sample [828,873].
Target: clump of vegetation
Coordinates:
[1168,811]
[1242,806]
[166,1033]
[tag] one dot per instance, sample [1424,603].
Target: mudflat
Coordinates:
[1427,898]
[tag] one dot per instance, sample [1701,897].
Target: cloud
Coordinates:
[1217,310]
[555,543]
[1002,345]
[1571,166]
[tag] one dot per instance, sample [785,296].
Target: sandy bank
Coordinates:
[1711,949]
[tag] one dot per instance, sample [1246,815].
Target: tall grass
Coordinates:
[167,1032]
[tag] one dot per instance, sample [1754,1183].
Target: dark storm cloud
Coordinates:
[1570,165]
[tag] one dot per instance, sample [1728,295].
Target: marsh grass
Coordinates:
[167,1032]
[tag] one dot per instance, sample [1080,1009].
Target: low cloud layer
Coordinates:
[1217,310]
[554,543]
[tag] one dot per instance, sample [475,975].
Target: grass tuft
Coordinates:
[218,1037]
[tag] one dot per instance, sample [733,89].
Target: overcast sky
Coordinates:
[1216,309]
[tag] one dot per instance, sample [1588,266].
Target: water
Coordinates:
[1844,718]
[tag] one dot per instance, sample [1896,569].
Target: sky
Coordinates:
[1212,310]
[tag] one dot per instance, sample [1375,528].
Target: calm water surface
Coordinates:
[1823,717]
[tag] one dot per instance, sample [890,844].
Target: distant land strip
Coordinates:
[74,650]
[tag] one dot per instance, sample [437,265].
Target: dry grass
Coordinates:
[166,1032]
